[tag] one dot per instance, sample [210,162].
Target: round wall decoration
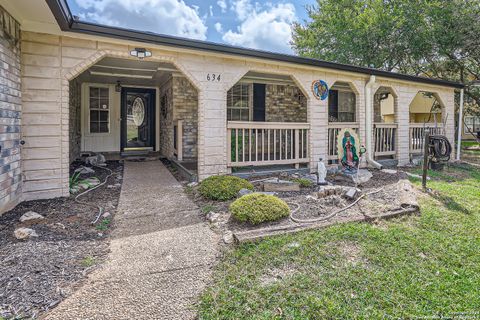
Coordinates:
[138,111]
[320,89]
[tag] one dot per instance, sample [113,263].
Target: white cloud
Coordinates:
[243,8]
[218,27]
[222,4]
[267,28]
[172,17]
[211,11]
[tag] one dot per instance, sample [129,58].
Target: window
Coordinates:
[472,123]
[99,110]
[238,102]
[341,106]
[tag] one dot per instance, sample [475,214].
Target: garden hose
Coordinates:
[100,209]
[330,215]
[440,148]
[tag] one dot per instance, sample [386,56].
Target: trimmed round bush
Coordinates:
[256,208]
[223,187]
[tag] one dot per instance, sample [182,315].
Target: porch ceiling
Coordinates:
[134,72]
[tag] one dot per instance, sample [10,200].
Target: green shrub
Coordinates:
[303,182]
[257,208]
[223,187]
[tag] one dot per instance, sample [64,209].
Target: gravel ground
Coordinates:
[35,275]
[309,208]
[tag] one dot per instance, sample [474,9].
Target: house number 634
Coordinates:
[213,77]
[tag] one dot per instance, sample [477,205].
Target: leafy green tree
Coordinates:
[434,38]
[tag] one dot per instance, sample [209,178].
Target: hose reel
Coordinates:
[440,149]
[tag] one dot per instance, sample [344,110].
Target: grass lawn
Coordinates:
[469,143]
[415,266]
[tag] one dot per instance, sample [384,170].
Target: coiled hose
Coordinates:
[440,148]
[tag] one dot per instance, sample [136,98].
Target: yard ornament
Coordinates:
[322,173]
[348,155]
[320,89]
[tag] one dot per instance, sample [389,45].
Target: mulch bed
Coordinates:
[37,274]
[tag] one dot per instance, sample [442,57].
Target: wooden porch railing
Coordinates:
[385,139]
[333,129]
[417,134]
[178,140]
[267,143]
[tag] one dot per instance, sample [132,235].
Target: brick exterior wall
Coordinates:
[181,104]
[284,103]
[10,124]
[75,93]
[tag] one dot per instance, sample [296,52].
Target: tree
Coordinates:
[434,38]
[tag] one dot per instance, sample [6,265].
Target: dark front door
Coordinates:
[138,119]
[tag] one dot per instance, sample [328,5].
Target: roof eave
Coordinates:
[66,22]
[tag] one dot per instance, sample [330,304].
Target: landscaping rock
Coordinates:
[329,191]
[362,176]
[390,171]
[351,193]
[84,170]
[192,184]
[243,192]
[228,237]
[213,217]
[97,160]
[106,214]
[31,215]
[24,233]
[277,185]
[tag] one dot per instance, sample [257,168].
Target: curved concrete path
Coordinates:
[161,256]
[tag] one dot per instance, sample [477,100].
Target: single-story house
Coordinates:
[70,88]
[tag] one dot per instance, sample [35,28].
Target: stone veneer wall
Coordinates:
[75,93]
[181,104]
[185,107]
[10,124]
[166,119]
[282,104]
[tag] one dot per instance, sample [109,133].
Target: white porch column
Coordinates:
[402,114]
[212,129]
[448,98]
[318,119]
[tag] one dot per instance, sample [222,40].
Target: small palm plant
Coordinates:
[74,180]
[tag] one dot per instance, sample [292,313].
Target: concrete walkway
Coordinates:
[161,254]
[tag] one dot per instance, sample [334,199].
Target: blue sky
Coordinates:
[246,23]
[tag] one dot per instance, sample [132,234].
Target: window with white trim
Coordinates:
[99,108]
[238,102]
[472,123]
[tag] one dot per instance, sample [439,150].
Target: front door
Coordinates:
[138,119]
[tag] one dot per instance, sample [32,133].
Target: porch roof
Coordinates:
[67,22]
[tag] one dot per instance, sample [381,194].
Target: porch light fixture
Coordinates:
[140,53]
[118,87]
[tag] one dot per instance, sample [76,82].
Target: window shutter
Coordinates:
[258,102]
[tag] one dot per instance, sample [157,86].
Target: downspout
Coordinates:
[369,123]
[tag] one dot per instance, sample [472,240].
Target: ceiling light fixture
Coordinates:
[140,53]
